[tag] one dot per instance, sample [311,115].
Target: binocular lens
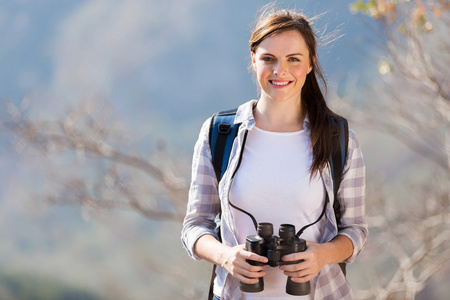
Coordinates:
[265,230]
[287,231]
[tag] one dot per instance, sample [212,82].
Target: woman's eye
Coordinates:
[294,59]
[267,58]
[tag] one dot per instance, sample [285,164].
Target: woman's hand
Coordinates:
[314,259]
[233,259]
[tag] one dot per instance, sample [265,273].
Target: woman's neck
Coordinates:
[286,116]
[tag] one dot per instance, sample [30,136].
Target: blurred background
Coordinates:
[101,102]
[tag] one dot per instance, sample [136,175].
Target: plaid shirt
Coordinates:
[206,197]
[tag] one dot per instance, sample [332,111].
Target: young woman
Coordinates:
[284,175]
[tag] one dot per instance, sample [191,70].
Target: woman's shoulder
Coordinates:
[353,141]
[204,130]
[243,112]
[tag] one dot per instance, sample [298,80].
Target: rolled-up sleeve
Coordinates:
[204,203]
[351,196]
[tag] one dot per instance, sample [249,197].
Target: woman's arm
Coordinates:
[232,259]
[351,195]
[204,202]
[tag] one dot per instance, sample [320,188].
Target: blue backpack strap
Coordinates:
[222,133]
[337,162]
[338,158]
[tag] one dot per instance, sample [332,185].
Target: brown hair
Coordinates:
[272,21]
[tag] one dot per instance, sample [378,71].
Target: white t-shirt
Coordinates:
[273,184]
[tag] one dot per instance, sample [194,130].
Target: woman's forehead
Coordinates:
[284,43]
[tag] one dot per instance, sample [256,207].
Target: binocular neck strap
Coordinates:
[320,217]
[255,223]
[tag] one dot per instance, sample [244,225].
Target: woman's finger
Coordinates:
[302,279]
[254,257]
[253,274]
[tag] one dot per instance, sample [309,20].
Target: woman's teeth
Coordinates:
[279,82]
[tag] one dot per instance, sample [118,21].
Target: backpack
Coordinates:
[223,131]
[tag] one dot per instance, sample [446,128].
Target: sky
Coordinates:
[151,56]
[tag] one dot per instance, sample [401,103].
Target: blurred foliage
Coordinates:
[375,8]
[409,206]
[388,11]
[34,287]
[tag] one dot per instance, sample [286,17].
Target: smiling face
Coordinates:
[281,63]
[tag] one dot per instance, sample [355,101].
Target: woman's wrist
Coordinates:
[338,249]
[209,248]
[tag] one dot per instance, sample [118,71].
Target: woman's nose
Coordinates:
[279,69]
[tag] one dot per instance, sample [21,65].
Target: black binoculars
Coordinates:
[274,248]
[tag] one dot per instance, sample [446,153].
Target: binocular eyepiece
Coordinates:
[274,248]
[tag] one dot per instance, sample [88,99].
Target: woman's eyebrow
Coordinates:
[293,54]
[267,54]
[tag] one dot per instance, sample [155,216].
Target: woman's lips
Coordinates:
[279,83]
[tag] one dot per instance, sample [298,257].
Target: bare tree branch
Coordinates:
[87,136]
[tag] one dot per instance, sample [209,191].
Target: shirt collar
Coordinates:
[245,116]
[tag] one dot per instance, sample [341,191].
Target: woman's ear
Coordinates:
[311,65]
[253,61]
